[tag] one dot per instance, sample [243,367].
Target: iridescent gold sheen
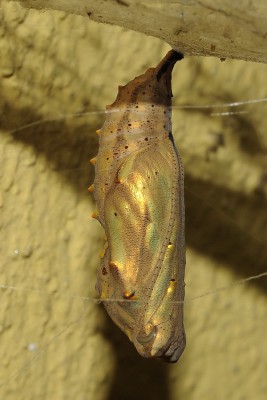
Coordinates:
[139,193]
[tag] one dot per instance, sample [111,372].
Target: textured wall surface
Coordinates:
[57,73]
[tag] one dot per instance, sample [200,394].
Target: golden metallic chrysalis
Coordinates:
[139,192]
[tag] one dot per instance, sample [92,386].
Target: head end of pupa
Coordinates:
[154,86]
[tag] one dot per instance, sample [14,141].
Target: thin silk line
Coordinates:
[98,301]
[99,112]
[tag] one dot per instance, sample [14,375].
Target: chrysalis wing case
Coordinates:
[139,192]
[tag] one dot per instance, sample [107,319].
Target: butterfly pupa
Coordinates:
[139,193]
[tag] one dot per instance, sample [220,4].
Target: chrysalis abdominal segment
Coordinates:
[139,193]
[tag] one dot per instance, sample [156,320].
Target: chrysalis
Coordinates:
[139,194]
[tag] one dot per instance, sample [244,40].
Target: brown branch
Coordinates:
[225,29]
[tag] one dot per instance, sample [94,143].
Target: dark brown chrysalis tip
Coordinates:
[168,63]
[165,67]
[154,86]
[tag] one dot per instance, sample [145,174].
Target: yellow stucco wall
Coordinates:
[55,342]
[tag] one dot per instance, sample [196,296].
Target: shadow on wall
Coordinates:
[218,236]
[67,146]
[135,377]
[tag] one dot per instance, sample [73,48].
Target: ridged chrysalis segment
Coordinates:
[139,193]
